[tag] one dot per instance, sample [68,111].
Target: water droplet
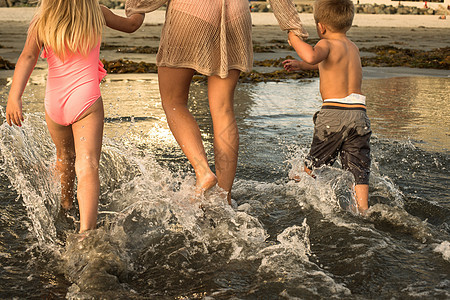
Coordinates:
[328,126]
[174,108]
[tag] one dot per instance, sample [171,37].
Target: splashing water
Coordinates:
[281,239]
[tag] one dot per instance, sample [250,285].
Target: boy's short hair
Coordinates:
[337,14]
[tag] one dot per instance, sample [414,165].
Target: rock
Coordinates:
[403,10]
[430,11]
[391,10]
[5,64]
[379,10]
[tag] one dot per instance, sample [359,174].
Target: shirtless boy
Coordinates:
[341,126]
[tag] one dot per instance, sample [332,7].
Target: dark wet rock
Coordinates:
[255,76]
[383,56]
[278,75]
[258,48]
[122,66]
[389,56]
[6,65]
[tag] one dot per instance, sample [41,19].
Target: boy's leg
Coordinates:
[355,157]
[88,134]
[226,135]
[174,86]
[325,144]
[62,137]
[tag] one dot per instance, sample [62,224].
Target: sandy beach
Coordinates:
[363,20]
[403,31]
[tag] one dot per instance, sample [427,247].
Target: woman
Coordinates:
[213,38]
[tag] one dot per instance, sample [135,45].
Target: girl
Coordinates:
[69,31]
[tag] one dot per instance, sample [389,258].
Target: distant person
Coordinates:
[341,126]
[69,32]
[213,38]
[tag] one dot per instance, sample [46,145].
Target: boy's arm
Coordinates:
[306,52]
[24,67]
[292,65]
[129,25]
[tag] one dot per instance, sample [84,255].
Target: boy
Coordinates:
[341,127]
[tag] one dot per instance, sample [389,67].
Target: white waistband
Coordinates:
[350,99]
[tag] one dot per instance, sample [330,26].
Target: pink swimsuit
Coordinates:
[72,85]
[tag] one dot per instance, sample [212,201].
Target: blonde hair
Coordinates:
[337,14]
[68,26]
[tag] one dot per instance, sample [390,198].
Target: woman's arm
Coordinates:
[129,25]
[288,17]
[143,6]
[24,67]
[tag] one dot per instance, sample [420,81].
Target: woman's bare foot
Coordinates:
[204,183]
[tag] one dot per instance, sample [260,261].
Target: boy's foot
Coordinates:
[295,178]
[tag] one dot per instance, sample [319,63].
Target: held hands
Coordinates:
[291,65]
[14,112]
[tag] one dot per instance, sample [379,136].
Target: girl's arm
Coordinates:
[292,65]
[306,52]
[24,67]
[129,25]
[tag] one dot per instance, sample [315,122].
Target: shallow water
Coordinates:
[280,240]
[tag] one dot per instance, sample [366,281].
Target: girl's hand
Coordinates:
[14,112]
[291,65]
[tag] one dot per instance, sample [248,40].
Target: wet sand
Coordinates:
[402,31]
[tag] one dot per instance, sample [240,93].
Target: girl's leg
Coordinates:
[174,86]
[226,136]
[87,134]
[65,159]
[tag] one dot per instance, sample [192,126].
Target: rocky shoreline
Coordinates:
[265,7]
[382,56]
[363,9]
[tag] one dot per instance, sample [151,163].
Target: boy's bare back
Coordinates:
[341,71]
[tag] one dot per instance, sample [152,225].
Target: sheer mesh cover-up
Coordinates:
[211,36]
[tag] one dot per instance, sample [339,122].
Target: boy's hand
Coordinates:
[14,112]
[291,65]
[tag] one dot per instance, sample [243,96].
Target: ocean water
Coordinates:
[280,239]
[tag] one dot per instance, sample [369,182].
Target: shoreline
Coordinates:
[262,19]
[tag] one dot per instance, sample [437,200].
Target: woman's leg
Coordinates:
[226,136]
[88,134]
[174,86]
[62,137]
